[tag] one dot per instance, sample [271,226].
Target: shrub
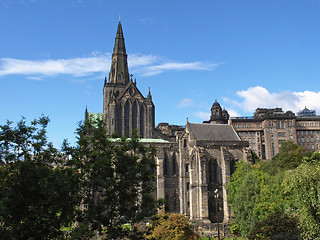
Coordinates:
[170,226]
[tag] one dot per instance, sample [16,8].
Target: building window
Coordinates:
[165,164]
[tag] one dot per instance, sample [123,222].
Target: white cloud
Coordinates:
[138,60]
[144,65]
[177,66]
[260,97]
[202,115]
[186,102]
[75,66]
[35,78]
[233,113]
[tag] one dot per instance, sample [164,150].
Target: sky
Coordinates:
[55,54]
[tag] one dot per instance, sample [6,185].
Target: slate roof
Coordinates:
[142,140]
[212,132]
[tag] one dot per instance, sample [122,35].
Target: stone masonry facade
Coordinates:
[195,161]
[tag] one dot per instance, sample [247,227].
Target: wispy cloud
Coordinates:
[8,3]
[202,115]
[76,66]
[145,21]
[177,66]
[96,63]
[258,96]
[233,113]
[186,102]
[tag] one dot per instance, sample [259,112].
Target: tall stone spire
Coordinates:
[119,67]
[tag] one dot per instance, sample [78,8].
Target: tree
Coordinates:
[276,226]
[304,183]
[245,201]
[38,192]
[117,181]
[254,194]
[236,179]
[289,157]
[170,226]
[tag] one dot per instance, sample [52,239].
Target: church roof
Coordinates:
[212,132]
[141,140]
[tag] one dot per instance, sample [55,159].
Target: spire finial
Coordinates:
[149,95]
[119,17]
[187,121]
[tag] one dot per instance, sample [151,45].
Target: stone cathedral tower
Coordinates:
[124,107]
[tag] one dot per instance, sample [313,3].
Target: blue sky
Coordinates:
[246,54]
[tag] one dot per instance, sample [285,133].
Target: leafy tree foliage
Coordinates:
[170,226]
[276,226]
[236,179]
[304,183]
[244,203]
[257,192]
[289,157]
[117,181]
[38,192]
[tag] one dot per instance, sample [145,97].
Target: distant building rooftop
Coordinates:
[306,113]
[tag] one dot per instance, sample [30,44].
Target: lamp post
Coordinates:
[216,195]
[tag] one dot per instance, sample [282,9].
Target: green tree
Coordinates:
[276,226]
[254,194]
[38,192]
[170,226]
[245,201]
[236,179]
[289,157]
[117,181]
[304,184]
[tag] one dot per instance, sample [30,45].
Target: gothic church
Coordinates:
[193,163]
[124,107]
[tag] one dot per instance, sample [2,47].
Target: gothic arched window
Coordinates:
[142,119]
[134,115]
[126,118]
[174,164]
[165,164]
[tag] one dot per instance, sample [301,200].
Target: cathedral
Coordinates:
[124,107]
[194,163]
